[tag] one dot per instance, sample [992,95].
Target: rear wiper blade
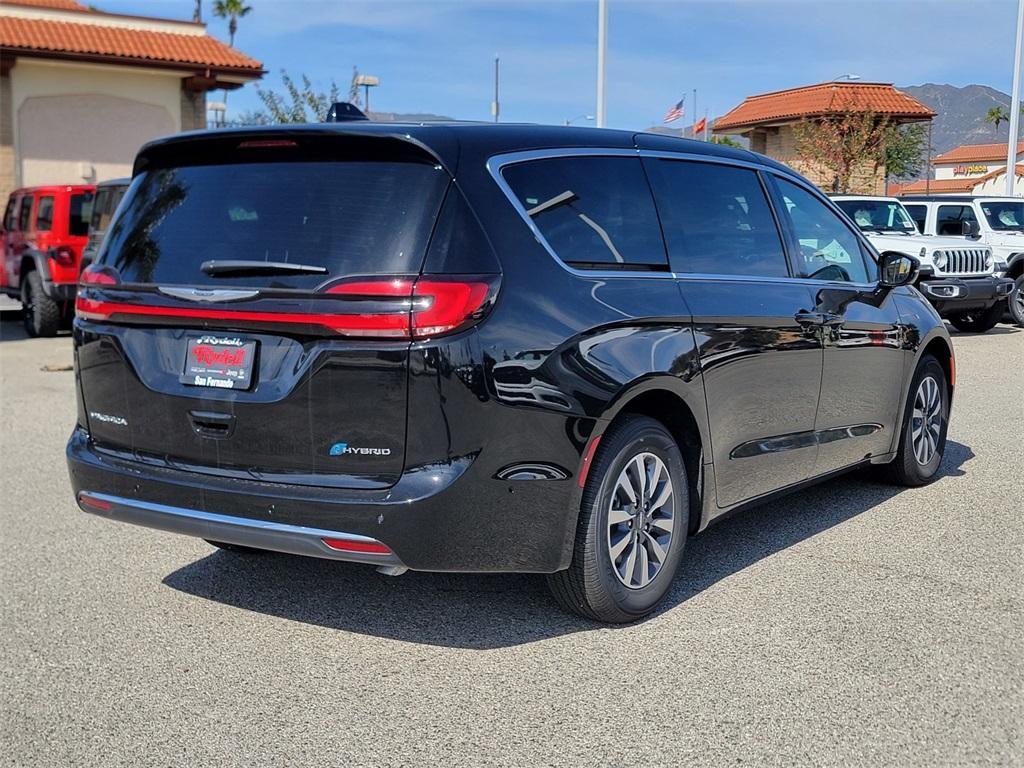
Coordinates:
[243,267]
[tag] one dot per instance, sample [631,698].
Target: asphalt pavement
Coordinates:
[849,624]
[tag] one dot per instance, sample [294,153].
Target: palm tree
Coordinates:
[232,10]
[996,115]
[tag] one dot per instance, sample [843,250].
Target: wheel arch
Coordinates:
[660,399]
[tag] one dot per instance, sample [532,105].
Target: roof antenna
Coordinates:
[344,112]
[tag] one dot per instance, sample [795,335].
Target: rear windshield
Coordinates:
[352,217]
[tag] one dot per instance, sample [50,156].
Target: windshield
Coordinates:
[878,215]
[1004,215]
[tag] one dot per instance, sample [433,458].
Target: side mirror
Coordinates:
[896,269]
[971,229]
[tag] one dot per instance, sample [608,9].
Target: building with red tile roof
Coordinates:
[991,183]
[82,89]
[768,121]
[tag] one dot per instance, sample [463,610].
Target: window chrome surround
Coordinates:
[496,163]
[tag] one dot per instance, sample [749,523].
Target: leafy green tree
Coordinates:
[232,10]
[297,103]
[726,141]
[905,150]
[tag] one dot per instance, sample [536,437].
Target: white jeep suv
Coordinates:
[995,222]
[958,278]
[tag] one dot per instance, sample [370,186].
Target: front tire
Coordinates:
[41,313]
[978,320]
[634,519]
[925,421]
[1015,301]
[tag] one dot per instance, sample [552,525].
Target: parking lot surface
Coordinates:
[852,623]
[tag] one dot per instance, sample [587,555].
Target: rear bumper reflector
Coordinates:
[588,459]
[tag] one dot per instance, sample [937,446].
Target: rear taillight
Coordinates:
[376,308]
[431,306]
[94,274]
[63,255]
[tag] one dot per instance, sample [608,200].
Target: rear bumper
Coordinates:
[261,534]
[953,294]
[443,517]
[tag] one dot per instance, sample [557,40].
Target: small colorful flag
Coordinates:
[700,126]
[676,112]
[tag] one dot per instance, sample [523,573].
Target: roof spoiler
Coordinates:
[344,112]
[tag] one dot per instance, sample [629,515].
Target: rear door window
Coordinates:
[919,213]
[951,218]
[80,213]
[594,212]
[351,218]
[44,216]
[717,219]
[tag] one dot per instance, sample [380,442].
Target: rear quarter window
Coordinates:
[79,213]
[353,218]
[594,212]
[44,215]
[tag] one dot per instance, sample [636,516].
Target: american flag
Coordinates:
[676,112]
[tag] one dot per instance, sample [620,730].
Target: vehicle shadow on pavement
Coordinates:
[482,612]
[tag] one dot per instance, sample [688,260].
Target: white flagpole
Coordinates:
[602,52]
[1011,145]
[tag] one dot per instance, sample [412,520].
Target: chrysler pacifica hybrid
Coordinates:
[488,348]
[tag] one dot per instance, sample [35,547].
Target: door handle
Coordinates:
[806,318]
[825,319]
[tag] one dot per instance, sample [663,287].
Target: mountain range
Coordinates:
[960,113]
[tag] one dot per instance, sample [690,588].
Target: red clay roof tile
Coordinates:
[822,99]
[968,153]
[120,42]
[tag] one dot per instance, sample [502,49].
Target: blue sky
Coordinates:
[436,56]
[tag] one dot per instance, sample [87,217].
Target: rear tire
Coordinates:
[41,313]
[1015,301]
[925,421]
[978,320]
[632,526]
[236,548]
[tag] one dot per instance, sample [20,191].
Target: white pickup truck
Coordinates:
[996,222]
[959,278]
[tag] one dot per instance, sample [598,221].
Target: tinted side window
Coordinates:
[919,213]
[595,212]
[44,216]
[951,218]
[100,205]
[828,249]
[716,219]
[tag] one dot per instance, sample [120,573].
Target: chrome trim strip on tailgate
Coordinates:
[260,534]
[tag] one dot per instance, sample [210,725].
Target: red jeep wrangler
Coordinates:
[44,230]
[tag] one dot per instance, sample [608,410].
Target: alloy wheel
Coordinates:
[1018,300]
[641,518]
[926,421]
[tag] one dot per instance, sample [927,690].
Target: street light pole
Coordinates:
[602,51]
[1011,146]
[496,106]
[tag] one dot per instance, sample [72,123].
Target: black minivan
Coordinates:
[488,348]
